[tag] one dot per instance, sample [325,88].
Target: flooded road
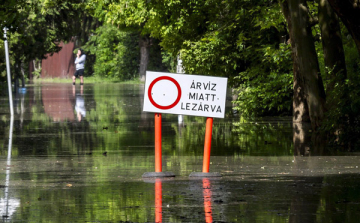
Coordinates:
[77,154]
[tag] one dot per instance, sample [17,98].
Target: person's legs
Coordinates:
[81,74]
[74,76]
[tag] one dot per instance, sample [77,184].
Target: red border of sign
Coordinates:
[152,85]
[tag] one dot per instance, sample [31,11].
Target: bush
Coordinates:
[117,52]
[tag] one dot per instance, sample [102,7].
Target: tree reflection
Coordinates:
[112,192]
[262,137]
[307,142]
[305,200]
[301,138]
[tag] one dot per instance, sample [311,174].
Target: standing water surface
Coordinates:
[77,154]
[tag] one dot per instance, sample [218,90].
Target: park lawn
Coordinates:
[86,80]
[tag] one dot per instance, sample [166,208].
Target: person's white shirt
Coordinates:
[80,62]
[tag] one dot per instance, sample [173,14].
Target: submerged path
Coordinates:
[78,154]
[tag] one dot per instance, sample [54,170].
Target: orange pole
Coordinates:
[158,201]
[207,145]
[207,200]
[158,162]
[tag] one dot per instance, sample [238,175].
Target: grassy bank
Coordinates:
[86,80]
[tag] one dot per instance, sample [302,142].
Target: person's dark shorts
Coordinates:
[79,73]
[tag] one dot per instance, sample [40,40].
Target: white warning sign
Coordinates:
[185,94]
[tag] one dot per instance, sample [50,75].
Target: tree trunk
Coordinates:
[90,21]
[308,61]
[34,64]
[83,31]
[300,108]
[349,13]
[334,57]
[335,60]
[144,55]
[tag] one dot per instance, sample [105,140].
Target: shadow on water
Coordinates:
[78,153]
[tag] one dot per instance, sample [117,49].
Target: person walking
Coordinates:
[79,65]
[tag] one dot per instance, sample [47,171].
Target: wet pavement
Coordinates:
[77,154]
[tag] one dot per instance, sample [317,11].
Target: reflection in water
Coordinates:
[146,119]
[79,103]
[305,200]
[8,205]
[180,120]
[60,174]
[307,142]
[301,138]
[207,199]
[158,200]
[19,104]
[57,101]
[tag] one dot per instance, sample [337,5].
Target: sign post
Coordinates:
[8,72]
[183,94]
[158,160]
[207,145]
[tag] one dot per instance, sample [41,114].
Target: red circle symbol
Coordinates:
[167,106]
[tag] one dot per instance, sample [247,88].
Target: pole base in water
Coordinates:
[207,175]
[158,174]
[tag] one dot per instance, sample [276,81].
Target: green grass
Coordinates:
[91,79]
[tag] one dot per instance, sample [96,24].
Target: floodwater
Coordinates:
[77,154]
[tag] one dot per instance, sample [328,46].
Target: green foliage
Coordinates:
[160,60]
[11,14]
[36,27]
[116,51]
[219,38]
[231,39]
[264,136]
[267,89]
[239,39]
[131,13]
[44,26]
[342,124]
[169,61]
[37,73]
[2,62]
